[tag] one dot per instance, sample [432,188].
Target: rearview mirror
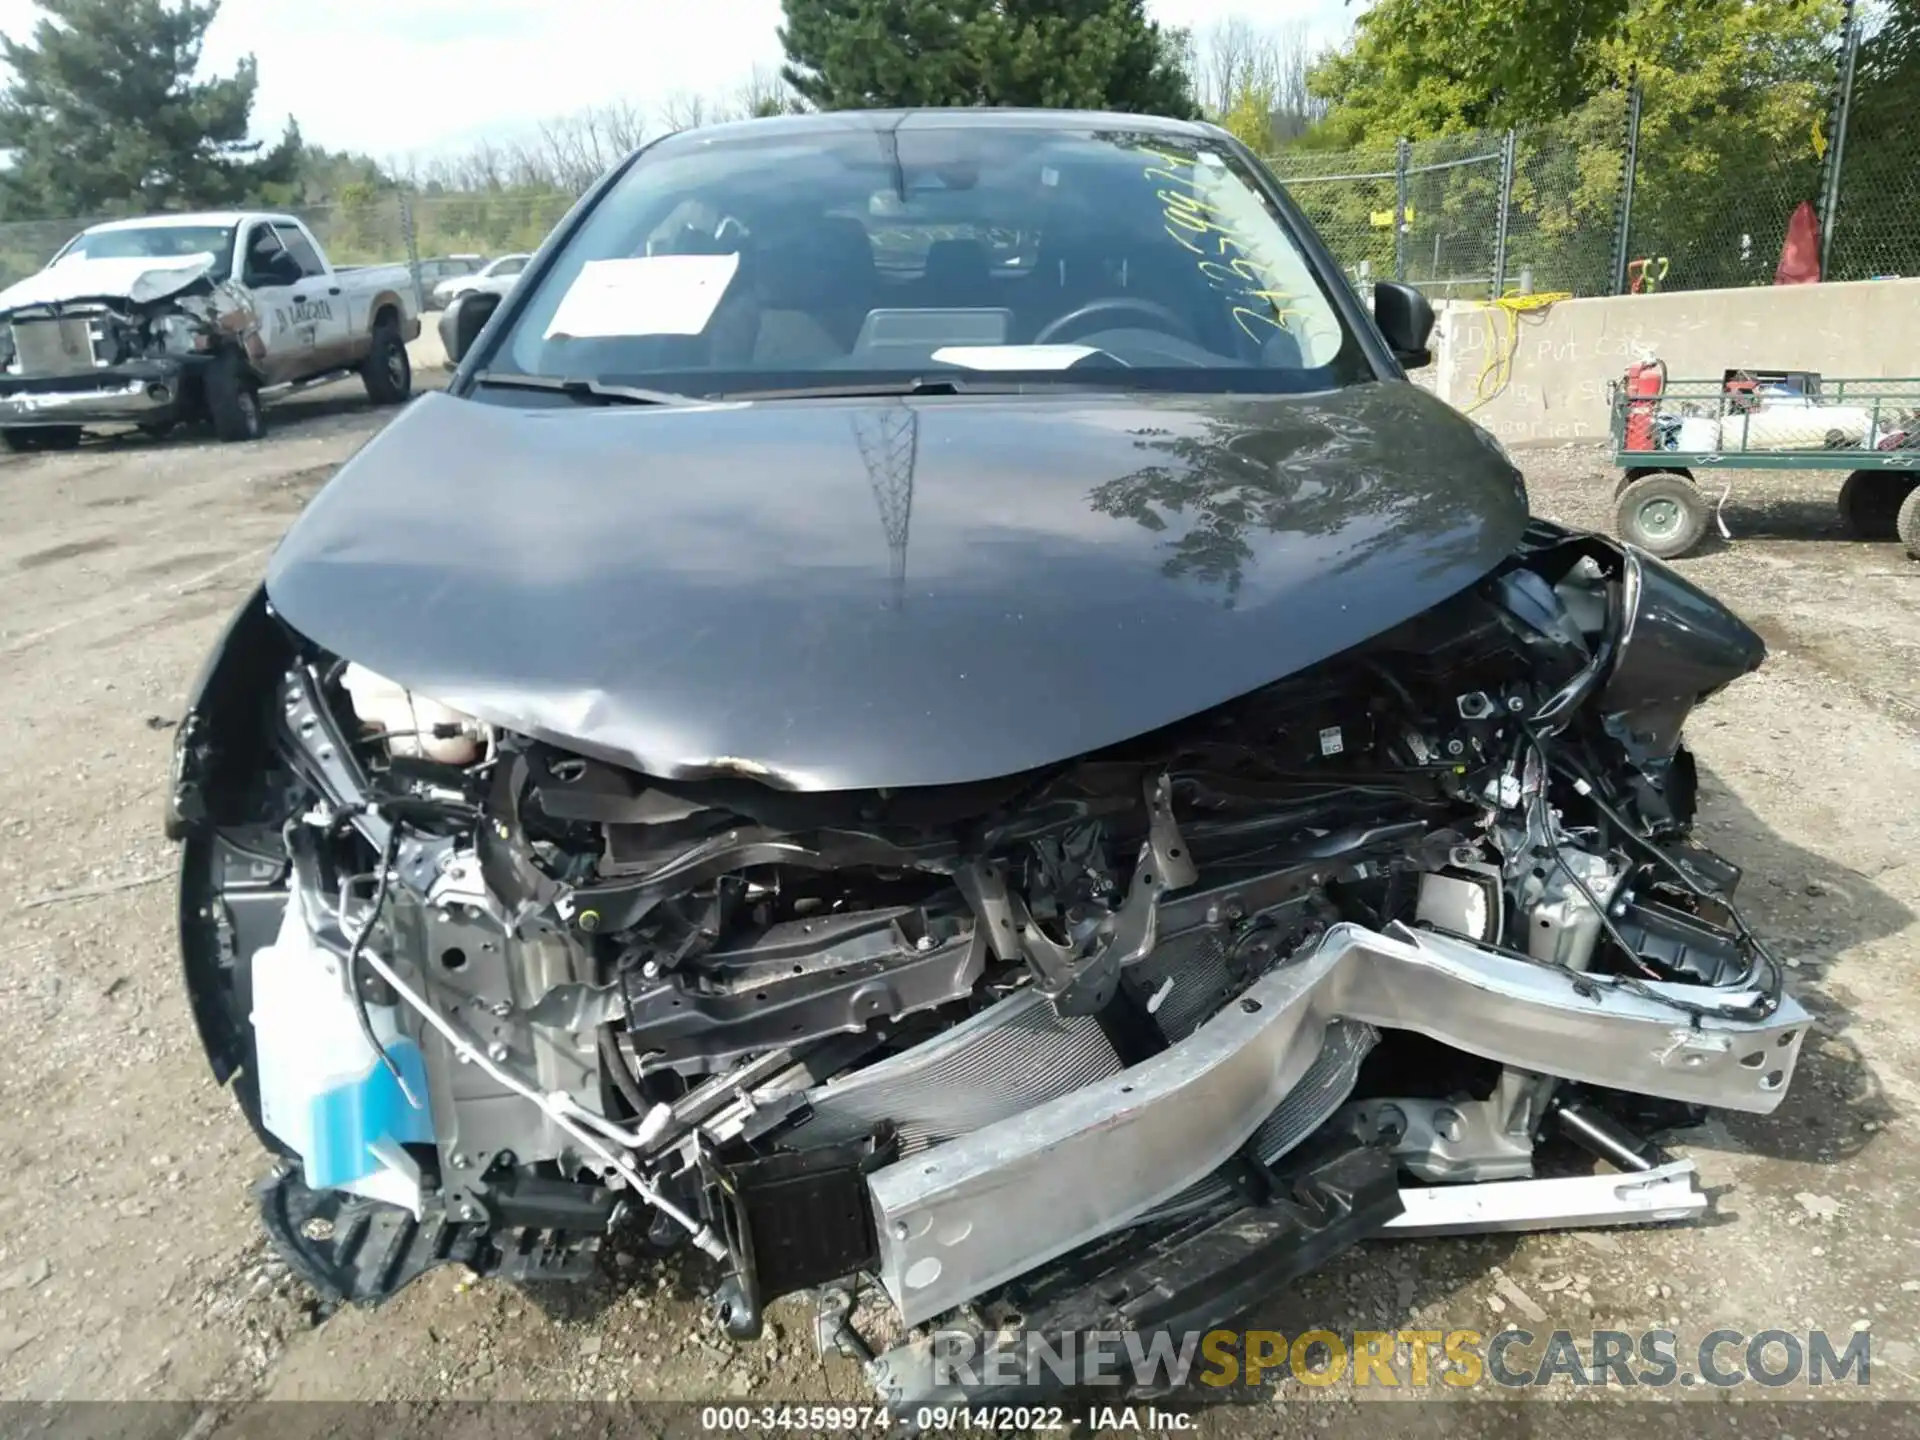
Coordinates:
[1405,318]
[463,321]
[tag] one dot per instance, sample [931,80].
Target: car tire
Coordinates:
[30,439]
[387,371]
[1871,500]
[1663,514]
[1907,523]
[233,400]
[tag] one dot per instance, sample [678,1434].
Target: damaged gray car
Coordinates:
[932,717]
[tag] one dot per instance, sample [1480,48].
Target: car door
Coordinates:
[273,277]
[501,275]
[319,304]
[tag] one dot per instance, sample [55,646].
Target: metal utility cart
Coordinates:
[1666,431]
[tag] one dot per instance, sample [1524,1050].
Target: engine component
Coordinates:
[996,1064]
[792,1222]
[834,974]
[1598,1134]
[411,724]
[1460,1139]
[1563,925]
[1679,943]
[1463,902]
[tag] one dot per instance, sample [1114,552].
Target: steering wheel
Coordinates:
[1164,319]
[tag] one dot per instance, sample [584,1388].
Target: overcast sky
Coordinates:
[391,77]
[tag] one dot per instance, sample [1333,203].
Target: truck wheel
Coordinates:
[1908,523]
[1664,514]
[1870,502]
[233,401]
[387,372]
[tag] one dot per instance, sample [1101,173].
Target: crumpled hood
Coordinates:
[840,595]
[141,281]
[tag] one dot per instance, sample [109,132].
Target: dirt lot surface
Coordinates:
[130,1261]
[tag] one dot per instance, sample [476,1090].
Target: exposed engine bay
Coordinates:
[1130,1039]
[181,313]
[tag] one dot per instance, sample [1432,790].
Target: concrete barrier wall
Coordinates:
[1563,357]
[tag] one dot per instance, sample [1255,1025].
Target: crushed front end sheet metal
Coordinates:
[976,1211]
[121,356]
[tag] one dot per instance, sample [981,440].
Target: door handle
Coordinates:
[299,299]
[333,290]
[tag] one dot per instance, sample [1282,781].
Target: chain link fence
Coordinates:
[1877,127]
[1606,201]
[1714,191]
[1482,214]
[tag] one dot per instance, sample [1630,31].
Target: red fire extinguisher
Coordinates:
[1646,382]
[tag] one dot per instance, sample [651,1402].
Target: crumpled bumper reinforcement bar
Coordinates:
[969,1214]
[140,390]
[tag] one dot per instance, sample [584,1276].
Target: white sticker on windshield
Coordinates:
[1012,357]
[644,295]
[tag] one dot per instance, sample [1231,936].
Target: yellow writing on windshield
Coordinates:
[1227,257]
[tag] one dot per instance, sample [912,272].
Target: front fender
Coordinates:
[224,723]
[1678,645]
[234,871]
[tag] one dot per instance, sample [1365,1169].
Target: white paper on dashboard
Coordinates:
[644,295]
[1012,357]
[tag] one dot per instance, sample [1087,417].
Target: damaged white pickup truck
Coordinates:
[179,318]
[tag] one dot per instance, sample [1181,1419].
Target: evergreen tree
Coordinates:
[1084,54]
[107,112]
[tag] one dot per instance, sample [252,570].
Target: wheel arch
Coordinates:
[386,306]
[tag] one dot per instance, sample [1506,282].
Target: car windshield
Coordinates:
[800,258]
[153,242]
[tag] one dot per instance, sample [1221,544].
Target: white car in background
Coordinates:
[496,277]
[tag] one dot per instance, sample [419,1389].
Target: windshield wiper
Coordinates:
[581,387]
[919,385]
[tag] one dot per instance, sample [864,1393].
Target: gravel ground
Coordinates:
[130,1262]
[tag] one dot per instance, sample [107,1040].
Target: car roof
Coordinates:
[198,217]
[821,122]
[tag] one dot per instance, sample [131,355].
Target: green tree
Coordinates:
[107,111]
[1250,117]
[1089,54]
[1435,67]
[1731,92]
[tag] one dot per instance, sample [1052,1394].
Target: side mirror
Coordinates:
[463,321]
[1405,318]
